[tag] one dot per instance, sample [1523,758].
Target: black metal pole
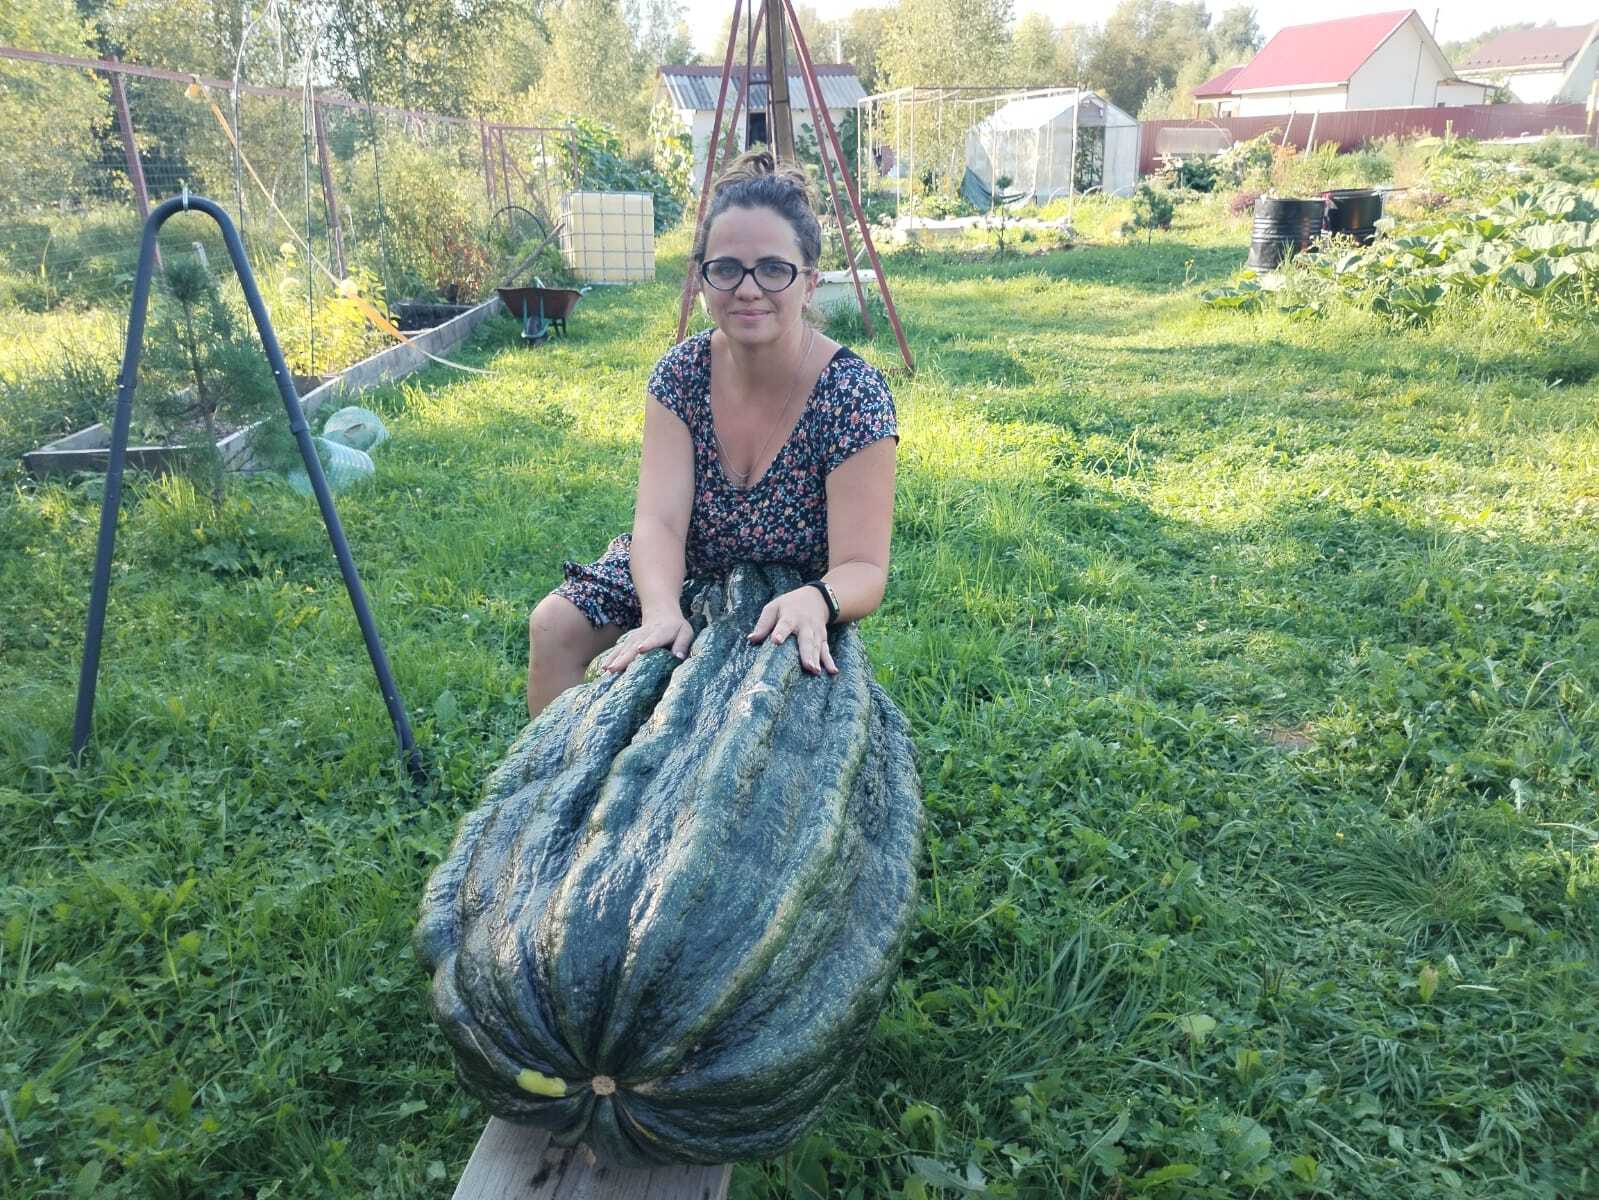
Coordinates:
[302,435]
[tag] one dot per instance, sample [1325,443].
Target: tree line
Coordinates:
[521,60]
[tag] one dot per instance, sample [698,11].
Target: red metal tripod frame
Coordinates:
[813,90]
[710,167]
[742,95]
[809,71]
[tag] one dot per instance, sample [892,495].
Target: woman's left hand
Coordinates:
[802,613]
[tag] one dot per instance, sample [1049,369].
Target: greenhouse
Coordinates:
[1050,145]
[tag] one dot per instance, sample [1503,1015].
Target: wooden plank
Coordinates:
[514,1162]
[780,120]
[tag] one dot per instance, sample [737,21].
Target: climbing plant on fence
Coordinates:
[594,159]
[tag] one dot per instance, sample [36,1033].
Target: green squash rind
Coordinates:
[696,879]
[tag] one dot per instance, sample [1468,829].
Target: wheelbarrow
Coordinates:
[543,309]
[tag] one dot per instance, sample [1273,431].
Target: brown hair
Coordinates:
[755,180]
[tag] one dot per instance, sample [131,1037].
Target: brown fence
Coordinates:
[1351,129]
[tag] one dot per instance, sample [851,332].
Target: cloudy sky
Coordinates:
[1456,19]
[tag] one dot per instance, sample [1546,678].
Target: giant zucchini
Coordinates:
[670,926]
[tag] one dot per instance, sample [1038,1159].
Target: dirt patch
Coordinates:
[1291,741]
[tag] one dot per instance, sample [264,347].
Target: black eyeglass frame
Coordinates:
[749,272]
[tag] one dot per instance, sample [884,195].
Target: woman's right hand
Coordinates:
[666,630]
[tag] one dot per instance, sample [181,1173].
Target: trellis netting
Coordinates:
[1054,144]
[339,201]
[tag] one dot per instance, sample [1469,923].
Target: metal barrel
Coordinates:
[1281,225]
[1354,212]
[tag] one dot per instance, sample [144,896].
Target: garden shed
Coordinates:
[1031,141]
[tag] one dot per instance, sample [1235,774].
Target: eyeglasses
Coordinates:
[727,274]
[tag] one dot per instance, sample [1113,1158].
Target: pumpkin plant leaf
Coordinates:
[1197,1026]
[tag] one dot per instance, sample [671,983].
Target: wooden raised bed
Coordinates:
[90,449]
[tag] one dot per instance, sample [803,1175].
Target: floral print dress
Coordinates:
[783,517]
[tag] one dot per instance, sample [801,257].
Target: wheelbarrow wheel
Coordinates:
[517,225]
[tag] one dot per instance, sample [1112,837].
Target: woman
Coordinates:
[764,441]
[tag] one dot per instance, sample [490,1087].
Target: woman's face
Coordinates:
[749,314]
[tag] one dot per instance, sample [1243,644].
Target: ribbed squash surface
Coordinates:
[669,928]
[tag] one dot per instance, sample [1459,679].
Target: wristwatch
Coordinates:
[826,589]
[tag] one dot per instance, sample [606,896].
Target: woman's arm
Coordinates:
[661,515]
[660,530]
[860,517]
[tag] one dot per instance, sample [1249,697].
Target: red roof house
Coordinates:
[1552,65]
[1381,60]
[1217,86]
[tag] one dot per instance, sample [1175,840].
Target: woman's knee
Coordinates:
[558,632]
[553,623]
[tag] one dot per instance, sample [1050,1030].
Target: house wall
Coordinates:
[1583,72]
[1401,73]
[699,123]
[1301,100]
[1535,87]
[1460,92]
[1528,87]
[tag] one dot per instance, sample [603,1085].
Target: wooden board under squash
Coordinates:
[514,1162]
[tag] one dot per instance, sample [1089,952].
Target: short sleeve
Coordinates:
[677,376]
[856,411]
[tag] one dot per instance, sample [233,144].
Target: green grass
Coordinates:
[1252,665]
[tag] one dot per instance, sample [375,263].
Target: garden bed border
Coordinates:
[89,449]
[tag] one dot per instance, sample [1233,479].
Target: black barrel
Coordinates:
[1281,225]
[1354,212]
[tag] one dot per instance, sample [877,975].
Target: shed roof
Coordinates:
[1218,85]
[1325,52]
[1552,46]
[696,87]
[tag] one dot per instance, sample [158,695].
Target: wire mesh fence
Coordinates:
[345,208]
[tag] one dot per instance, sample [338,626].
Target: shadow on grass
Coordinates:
[1161,266]
[1279,615]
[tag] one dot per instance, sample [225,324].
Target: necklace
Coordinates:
[741,479]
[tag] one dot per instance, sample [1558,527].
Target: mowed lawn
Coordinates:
[1252,664]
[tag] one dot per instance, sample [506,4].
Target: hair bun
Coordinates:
[756,164]
[755,179]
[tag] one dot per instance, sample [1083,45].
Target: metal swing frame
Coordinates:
[126,381]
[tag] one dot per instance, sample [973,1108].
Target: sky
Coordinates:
[1457,19]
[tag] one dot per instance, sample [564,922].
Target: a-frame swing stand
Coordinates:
[88,674]
[780,127]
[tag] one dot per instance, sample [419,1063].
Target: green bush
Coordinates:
[1243,161]
[87,256]
[594,159]
[423,214]
[1566,160]
[1152,209]
[941,206]
[53,391]
[1194,173]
